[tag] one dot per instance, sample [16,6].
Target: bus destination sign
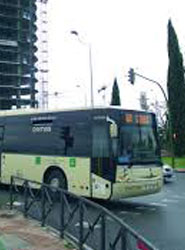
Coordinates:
[141,119]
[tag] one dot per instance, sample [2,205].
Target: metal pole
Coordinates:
[159,85]
[74,32]
[25,185]
[43,203]
[103,232]
[81,220]
[62,211]
[91,76]
[123,238]
[11,193]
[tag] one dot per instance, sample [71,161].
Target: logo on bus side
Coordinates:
[41,129]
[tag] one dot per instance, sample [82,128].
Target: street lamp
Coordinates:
[74,32]
[103,88]
[85,96]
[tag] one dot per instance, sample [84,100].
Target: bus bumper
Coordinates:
[136,188]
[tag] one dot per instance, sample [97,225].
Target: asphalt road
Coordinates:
[160,218]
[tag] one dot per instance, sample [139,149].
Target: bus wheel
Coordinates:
[56,179]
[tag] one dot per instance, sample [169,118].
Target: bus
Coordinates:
[104,153]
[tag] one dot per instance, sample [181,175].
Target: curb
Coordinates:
[180,170]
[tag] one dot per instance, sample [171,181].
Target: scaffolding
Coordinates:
[42,54]
[23,54]
[17,54]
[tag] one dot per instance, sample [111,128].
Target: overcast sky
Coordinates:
[122,34]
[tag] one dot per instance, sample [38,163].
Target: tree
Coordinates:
[160,110]
[115,100]
[176,92]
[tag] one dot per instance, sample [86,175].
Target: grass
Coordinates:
[179,162]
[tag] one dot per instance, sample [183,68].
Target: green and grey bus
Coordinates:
[106,153]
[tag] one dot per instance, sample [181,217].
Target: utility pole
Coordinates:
[74,32]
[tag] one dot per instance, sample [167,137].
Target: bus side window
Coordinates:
[100,147]
[1,133]
[68,139]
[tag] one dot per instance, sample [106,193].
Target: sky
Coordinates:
[121,34]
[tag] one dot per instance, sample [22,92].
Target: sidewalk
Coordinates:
[18,233]
[180,170]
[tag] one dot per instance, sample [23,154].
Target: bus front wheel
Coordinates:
[56,179]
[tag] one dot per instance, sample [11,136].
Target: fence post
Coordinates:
[81,217]
[25,197]
[11,193]
[123,238]
[103,232]
[43,201]
[62,214]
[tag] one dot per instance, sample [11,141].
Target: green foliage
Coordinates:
[115,100]
[163,134]
[176,91]
[179,161]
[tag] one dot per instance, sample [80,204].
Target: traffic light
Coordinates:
[131,75]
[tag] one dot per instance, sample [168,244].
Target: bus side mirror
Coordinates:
[113,130]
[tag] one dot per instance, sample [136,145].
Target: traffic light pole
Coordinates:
[168,109]
[159,85]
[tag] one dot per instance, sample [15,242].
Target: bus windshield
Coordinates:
[137,144]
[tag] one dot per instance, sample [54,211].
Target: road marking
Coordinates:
[170,201]
[176,196]
[158,204]
[129,212]
[152,209]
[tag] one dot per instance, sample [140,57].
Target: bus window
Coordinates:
[1,132]
[113,130]
[137,143]
[114,146]
[68,139]
[100,146]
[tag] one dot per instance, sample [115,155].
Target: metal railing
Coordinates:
[87,224]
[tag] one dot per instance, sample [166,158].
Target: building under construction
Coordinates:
[18,50]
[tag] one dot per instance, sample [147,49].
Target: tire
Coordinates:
[57,179]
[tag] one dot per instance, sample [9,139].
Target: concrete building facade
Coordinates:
[18,54]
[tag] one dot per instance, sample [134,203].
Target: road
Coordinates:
[160,218]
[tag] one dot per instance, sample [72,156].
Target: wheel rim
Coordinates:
[55,183]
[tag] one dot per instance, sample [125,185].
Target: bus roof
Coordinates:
[31,111]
